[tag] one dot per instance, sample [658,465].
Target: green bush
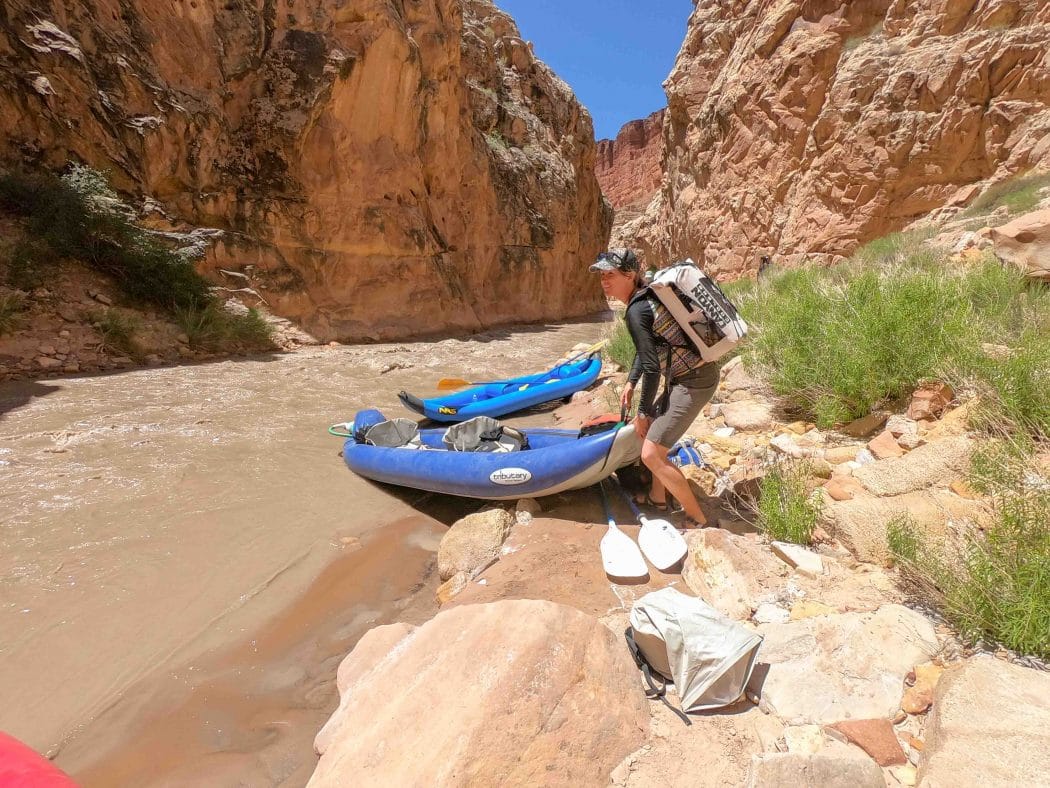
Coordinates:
[212,327]
[11,306]
[837,343]
[997,587]
[79,217]
[787,512]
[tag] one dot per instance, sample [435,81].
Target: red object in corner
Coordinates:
[23,767]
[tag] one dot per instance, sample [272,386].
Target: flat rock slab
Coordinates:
[559,560]
[510,693]
[846,666]
[933,464]
[798,557]
[876,738]
[990,725]
[824,770]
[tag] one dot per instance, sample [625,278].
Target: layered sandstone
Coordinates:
[379,169]
[804,128]
[628,167]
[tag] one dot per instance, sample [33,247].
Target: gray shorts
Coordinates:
[688,397]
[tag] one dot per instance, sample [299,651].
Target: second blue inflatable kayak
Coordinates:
[506,396]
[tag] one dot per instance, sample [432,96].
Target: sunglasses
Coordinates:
[615,259]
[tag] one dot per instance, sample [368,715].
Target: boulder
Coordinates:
[508,693]
[866,425]
[990,725]
[843,666]
[473,541]
[748,415]
[933,464]
[1025,243]
[727,571]
[860,524]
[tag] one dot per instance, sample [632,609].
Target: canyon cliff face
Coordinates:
[628,167]
[379,169]
[804,128]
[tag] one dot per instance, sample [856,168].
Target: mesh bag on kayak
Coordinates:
[484,433]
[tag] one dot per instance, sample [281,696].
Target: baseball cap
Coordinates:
[623,260]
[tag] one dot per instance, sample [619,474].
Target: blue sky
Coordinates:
[614,54]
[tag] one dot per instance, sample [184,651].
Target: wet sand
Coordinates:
[156,523]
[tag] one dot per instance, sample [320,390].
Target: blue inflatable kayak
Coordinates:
[555,460]
[506,396]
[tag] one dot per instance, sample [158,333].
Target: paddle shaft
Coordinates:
[630,501]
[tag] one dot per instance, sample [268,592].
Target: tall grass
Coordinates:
[11,306]
[212,327]
[1019,195]
[620,348]
[837,343]
[786,511]
[996,587]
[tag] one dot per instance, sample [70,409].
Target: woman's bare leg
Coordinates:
[666,474]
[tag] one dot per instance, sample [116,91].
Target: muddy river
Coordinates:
[184,558]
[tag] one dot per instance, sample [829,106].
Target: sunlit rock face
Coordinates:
[628,167]
[804,128]
[380,169]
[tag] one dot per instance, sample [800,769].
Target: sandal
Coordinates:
[660,506]
[687,523]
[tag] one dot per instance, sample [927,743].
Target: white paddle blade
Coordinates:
[621,556]
[662,544]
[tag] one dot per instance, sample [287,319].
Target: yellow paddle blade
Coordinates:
[451,384]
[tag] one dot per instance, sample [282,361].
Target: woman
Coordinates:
[659,340]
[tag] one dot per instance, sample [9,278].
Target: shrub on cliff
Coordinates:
[78,216]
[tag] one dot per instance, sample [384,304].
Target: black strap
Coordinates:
[654,692]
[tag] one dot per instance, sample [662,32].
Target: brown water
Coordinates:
[184,559]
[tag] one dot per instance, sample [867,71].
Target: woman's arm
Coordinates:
[639,320]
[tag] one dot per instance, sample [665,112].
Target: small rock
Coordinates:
[64,334]
[724,432]
[876,737]
[530,505]
[864,457]
[837,455]
[451,587]
[805,561]
[797,427]
[45,362]
[963,490]
[808,609]
[905,775]
[46,350]
[919,695]
[909,441]
[820,468]
[901,425]
[804,739]
[900,717]
[929,401]
[843,488]
[102,298]
[885,446]
[866,425]
[768,613]
[71,368]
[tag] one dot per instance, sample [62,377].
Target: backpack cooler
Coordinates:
[697,303]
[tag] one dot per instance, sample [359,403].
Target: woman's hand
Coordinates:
[626,397]
[641,425]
